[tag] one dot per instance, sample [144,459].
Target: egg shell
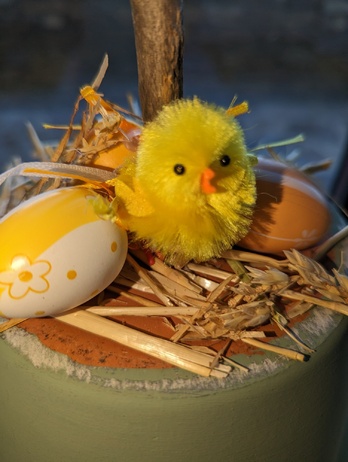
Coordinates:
[113,157]
[290,212]
[57,253]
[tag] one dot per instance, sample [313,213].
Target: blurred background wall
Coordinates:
[288,58]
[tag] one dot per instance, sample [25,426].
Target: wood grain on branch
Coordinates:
[158,32]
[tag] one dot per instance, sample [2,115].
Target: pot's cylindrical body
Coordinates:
[54,410]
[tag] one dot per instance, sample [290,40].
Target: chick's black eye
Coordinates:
[179,169]
[225,160]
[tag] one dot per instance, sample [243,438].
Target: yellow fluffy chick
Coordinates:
[189,192]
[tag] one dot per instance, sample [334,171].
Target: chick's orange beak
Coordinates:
[207,175]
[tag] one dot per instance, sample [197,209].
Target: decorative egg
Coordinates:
[56,253]
[112,158]
[290,212]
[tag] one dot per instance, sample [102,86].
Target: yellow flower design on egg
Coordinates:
[26,276]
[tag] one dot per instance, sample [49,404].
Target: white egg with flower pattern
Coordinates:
[57,253]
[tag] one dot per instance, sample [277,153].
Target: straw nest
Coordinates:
[223,299]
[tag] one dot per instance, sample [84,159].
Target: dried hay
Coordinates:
[224,299]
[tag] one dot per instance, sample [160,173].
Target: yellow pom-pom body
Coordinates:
[185,220]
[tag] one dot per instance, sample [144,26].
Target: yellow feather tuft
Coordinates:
[239,109]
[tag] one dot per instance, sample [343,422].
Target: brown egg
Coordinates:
[290,212]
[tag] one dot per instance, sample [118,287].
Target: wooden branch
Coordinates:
[158,35]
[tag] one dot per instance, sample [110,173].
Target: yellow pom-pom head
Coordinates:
[188,137]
